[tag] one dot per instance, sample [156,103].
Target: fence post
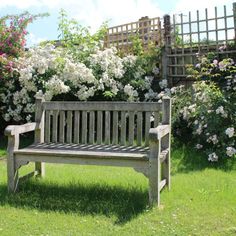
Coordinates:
[166,49]
[234,13]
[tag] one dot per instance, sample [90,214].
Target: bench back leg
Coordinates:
[39,132]
[165,143]
[40,169]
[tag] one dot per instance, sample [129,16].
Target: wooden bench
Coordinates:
[96,133]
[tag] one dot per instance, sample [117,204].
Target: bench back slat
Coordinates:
[62,127]
[54,126]
[147,127]
[107,127]
[120,123]
[69,127]
[76,127]
[139,128]
[123,128]
[131,128]
[84,126]
[91,126]
[115,128]
[47,126]
[99,127]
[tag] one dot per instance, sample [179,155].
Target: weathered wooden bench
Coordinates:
[96,133]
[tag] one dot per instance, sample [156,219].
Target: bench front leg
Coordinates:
[12,171]
[154,173]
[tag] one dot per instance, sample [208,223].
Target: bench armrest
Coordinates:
[20,129]
[159,132]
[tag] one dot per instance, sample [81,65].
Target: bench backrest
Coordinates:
[123,123]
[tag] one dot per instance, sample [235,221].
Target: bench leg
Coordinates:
[40,169]
[12,174]
[154,175]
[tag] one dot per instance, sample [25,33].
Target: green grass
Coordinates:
[82,200]
[3,143]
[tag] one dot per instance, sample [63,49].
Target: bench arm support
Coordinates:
[13,130]
[159,132]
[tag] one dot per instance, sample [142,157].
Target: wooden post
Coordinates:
[39,132]
[166,49]
[166,141]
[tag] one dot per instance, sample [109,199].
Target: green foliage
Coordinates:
[137,45]
[77,38]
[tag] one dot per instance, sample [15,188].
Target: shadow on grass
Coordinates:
[186,159]
[124,204]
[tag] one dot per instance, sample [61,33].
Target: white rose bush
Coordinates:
[206,114]
[105,76]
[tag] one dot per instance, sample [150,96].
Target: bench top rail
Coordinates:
[102,106]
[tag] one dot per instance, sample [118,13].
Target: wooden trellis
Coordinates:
[147,29]
[188,36]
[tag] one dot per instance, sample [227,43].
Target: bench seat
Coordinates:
[86,151]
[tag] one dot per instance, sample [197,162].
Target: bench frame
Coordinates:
[159,143]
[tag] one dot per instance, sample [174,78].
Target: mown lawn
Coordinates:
[79,200]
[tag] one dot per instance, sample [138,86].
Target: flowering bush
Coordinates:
[13,32]
[12,45]
[208,112]
[60,76]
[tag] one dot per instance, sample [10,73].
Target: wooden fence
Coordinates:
[181,37]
